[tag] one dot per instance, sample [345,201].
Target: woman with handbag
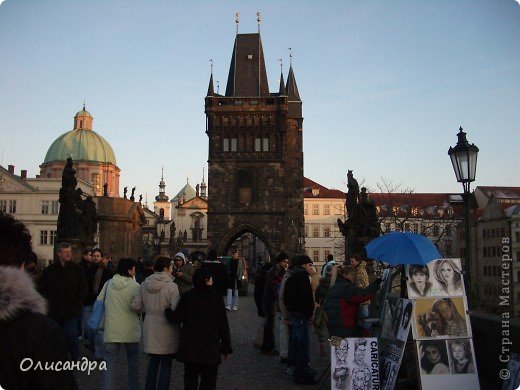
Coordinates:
[122,326]
[161,339]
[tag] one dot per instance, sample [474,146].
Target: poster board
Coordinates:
[354,363]
[441,326]
[397,319]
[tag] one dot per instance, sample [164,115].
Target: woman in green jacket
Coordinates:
[122,325]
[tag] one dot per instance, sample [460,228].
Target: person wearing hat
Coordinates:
[298,298]
[269,298]
[182,273]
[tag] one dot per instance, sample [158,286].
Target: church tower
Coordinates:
[255,162]
[162,206]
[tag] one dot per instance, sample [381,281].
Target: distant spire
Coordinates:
[282,82]
[211,90]
[237,20]
[258,20]
[291,87]
[290,56]
[203,185]
[162,189]
[84,104]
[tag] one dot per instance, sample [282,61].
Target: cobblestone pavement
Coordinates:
[246,368]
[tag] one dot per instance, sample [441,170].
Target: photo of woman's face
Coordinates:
[445,310]
[419,278]
[433,354]
[447,271]
[457,351]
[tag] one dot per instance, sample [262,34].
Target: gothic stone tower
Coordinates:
[255,175]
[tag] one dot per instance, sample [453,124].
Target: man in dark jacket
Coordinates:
[269,299]
[64,285]
[97,276]
[299,300]
[25,331]
[343,301]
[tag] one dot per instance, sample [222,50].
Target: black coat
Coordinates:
[259,287]
[297,293]
[26,332]
[91,274]
[65,288]
[205,330]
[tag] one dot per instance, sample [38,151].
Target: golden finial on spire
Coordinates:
[237,20]
[84,104]
[290,55]
[211,61]
[258,20]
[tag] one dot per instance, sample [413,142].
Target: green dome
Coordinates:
[83,113]
[83,145]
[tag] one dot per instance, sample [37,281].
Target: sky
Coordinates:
[385,85]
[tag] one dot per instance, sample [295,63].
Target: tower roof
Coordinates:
[247,73]
[292,88]
[188,192]
[211,90]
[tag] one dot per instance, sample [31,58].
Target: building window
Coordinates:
[55,207]
[326,231]
[45,207]
[339,209]
[12,206]
[485,271]
[234,144]
[258,145]
[315,255]
[53,234]
[96,181]
[517,236]
[43,237]
[225,144]
[265,144]
[326,209]
[517,255]
[326,254]
[3,206]
[316,231]
[315,209]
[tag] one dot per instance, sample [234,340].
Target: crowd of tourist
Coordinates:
[177,310]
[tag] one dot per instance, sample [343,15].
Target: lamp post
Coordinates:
[156,244]
[464,160]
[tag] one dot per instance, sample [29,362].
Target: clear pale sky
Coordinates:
[385,85]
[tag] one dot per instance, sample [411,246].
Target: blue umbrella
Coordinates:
[398,248]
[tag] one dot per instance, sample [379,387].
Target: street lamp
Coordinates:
[464,160]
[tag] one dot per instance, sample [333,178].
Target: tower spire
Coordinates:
[258,20]
[211,90]
[162,188]
[282,82]
[203,185]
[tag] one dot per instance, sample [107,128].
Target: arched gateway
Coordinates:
[255,164]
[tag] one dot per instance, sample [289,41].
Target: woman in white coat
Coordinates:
[122,325]
[161,339]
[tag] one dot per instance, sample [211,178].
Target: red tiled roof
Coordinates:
[324,192]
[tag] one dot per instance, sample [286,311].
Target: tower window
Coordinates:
[225,144]
[234,144]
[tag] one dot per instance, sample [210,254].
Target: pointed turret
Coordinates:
[211,90]
[282,86]
[247,73]
[292,88]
